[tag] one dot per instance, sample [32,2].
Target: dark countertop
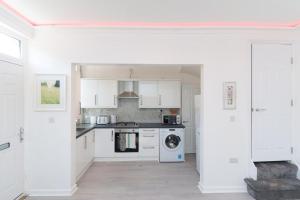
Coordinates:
[84,128]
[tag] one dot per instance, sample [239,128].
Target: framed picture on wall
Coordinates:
[229,95]
[50,92]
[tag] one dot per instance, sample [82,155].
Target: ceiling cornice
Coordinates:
[131,24]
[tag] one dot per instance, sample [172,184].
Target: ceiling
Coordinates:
[154,13]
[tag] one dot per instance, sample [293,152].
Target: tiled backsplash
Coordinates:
[128,110]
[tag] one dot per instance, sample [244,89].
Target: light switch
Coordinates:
[51,120]
[232,118]
[233,160]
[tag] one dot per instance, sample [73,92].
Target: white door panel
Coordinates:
[11,120]
[107,93]
[188,114]
[104,143]
[89,89]
[169,94]
[148,94]
[271,102]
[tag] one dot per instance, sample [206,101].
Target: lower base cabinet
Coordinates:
[85,150]
[148,146]
[149,143]
[105,141]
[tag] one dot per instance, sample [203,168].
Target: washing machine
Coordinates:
[171,145]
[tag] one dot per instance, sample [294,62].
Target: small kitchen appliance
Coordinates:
[113,119]
[103,119]
[93,119]
[171,119]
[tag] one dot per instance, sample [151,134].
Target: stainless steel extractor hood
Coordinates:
[128,89]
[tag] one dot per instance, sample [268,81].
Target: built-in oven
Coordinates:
[126,140]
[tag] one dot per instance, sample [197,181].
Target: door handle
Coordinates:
[21,134]
[95,99]
[112,136]
[185,121]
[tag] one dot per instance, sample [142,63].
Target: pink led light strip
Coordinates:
[155,24]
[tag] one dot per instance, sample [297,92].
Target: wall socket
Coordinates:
[233,160]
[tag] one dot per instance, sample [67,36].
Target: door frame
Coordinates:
[252,168]
[19,62]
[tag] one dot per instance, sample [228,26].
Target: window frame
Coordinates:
[11,59]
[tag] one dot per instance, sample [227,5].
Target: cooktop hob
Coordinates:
[127,125]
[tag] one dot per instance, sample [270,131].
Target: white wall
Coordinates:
[225,55]
[142,72]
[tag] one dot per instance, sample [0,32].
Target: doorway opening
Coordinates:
[137,125]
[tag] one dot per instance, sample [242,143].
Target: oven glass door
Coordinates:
[126,142]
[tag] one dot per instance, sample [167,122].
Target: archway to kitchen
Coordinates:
[135,124]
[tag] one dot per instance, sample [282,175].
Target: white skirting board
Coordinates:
[42,193]
[220,189]
[126,159]
[84,170]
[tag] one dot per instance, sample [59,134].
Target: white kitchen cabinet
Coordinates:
[169,94]
[99,93]
[149,143]
[89,91]
[79,155]
[91,146]
[148,94]
[85,148]
[104,143]
[160,94]
[107,94]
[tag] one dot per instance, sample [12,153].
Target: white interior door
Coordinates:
[271,102]
[11,122]
[188,114]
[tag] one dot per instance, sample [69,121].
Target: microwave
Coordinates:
[171,119]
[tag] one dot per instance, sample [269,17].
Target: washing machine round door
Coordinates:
[172,142]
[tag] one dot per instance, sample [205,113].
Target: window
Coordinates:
[10,46]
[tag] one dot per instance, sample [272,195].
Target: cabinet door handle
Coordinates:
[95,99]
[115,99]
[94,137]
[112,135]
[141,100]
[149,147]
[85,142]
[159,100]
[148,136]
[79,108]
[148,130]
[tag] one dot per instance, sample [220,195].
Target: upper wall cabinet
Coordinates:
[160,94]
[169,94]
[99,93]
[89,91]
[148,94]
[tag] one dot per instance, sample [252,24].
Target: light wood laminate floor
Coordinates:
[142,181]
